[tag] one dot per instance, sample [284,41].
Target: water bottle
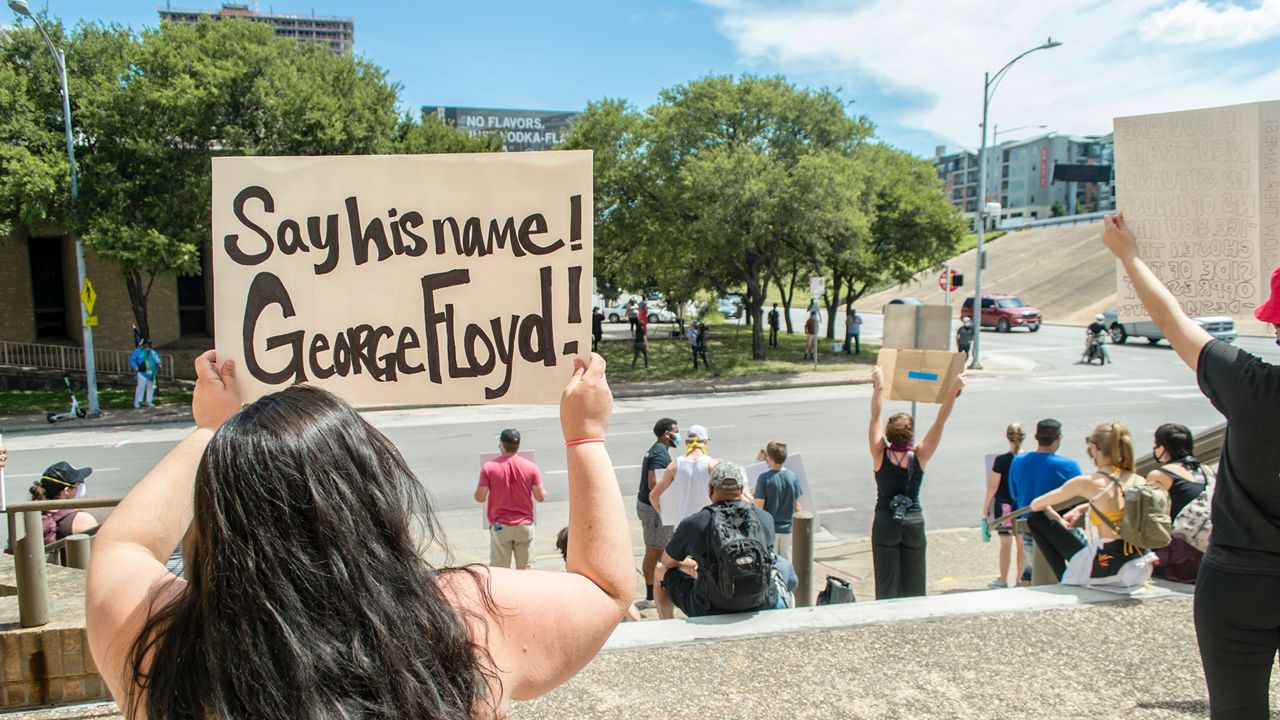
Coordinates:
[986,531]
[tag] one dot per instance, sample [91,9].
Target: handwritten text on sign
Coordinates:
[404,279]
[1194,187]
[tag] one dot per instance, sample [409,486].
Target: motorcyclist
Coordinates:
[1095,340]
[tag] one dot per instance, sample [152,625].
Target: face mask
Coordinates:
[80,490]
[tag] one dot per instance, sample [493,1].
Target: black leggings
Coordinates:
[1056,543]
[1238,628]
[898,555]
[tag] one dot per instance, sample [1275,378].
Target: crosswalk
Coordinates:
[1115,382]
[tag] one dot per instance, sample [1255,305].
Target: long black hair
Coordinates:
[1179,443]
[307,595]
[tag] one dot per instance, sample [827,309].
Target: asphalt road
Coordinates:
[1146,386]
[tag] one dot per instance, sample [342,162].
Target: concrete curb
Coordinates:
[672,633]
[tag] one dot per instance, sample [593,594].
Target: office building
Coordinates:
[335,33]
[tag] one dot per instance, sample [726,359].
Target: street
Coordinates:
[1039,376]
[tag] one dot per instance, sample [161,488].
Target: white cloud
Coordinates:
[941,49]
[1196,21]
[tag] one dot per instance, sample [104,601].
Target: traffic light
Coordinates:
[957,280]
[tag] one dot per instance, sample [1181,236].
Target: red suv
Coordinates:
[1004,312]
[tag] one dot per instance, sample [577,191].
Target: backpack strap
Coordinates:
[1113,480]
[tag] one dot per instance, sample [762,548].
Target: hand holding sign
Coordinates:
[587,402]
[217,395]
[1118,238]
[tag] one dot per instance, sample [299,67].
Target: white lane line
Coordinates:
[1100,404]
[832,511]
[1183,396]
[1158,390]
[39,474]
[1079,378]
[1109,383]
[615,467]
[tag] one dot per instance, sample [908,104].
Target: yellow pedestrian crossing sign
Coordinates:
[91,321]
[88,297]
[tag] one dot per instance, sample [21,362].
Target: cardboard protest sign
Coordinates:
[794,463]
[919,375]
[917,327]
[1201,190]
[392,280]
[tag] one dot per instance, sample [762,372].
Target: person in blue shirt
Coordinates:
[146,366]
[1035,473]
[778,492]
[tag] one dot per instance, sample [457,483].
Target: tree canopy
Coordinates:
[150,109]
[725,184]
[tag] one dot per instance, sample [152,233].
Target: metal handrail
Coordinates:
[85,503]
[68,358]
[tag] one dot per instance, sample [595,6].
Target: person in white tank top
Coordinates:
[681,492]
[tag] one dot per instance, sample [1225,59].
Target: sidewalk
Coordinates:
[994,365]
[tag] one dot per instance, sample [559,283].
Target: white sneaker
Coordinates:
[998,584]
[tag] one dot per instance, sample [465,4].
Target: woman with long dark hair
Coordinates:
[307,595]
[897,531]
[1185,478]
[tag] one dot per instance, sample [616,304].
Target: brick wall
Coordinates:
[17,320]
[47,666]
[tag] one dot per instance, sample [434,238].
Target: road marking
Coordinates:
[1184,395]
[1100,404]
[1076,381]
[832,511]
[1162,391]
[40,474]
[1078,378]
[615,467]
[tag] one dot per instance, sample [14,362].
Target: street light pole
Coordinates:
[59,60]
[989,85]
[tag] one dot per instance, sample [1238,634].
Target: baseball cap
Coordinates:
[1269,311]
[727,475]
[510,436]
[1048,429]
[696,432]
[64,473]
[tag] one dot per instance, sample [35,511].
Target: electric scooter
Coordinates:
[75,411]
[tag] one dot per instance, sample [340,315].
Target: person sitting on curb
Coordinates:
[309,597]
[720,559]
[1185,478]
[1033,474]
[63,481]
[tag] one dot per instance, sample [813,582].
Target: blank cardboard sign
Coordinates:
[394,280]
[1201,190]
[919,375]
[917,327]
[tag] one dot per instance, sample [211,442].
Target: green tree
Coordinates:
[710,187]
[150,111]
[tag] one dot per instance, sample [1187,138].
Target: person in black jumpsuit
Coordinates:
[898,545]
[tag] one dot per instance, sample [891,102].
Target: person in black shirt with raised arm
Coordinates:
[1236,614]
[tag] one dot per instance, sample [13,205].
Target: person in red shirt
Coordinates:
[510,484]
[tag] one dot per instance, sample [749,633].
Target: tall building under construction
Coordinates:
[335,33]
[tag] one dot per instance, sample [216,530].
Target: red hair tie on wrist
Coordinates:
[583,441]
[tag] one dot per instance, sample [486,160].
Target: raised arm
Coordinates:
[927,446]
[548,625]
[1186,336]
[130,551]
[875,431]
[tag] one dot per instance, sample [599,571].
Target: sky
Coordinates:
[914,67]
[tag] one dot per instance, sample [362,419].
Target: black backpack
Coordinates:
[739,568]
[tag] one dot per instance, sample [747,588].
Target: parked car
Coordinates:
[904,301]
[729,305]
[1222,328]
[618,313]
[1004,313]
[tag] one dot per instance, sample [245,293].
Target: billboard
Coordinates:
[521,129]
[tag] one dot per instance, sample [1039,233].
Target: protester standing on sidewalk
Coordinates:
[352,605]
[810,336]
[1237,618]
[698,342]
[666,434]
[510,484]
[145,363]
[681,492]
[897,532]
[774,321]
[597,328]
[1185,478]
[964,336]
[640,347]
[852,332]
[1035,473]
[999,502]
[778,493]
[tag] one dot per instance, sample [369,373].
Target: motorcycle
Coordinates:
[1094,349]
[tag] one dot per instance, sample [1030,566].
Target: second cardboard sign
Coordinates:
[919,375]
